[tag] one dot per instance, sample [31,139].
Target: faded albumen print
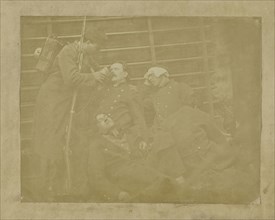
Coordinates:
[140,109]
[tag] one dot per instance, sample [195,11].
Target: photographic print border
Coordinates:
[12,208]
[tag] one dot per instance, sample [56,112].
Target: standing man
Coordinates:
[53,106]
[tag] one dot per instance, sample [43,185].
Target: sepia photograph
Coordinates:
[122,109]
[140,109]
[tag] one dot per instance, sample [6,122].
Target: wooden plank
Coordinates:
[111,33]
[28,71]
[27,111]
[78,36]
[128,48]
[181,44]
[177,29]
[32,78]
[186,74]
[175,75]
[126,33]
[129,56]
[140,47]
[132,63]
[79,20]
[124,48]
[105,50]
[206,68]
[28,88]
[28,94]
[49,26]
[44,38]
[151,40]
[179,59]
[182,59]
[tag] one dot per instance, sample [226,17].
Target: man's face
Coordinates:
[154,80]
[118,72]
[89,48]
[104,122]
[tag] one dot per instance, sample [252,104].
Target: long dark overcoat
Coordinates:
[113,168]
[51,119]
[53,103]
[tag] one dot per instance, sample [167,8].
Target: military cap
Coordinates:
[157,71]
[95,35]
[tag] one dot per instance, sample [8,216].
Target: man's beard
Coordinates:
[88,63]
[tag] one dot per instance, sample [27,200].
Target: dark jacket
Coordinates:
[166,100]
[123,105]
[113,168]
[54,102]
[199,143]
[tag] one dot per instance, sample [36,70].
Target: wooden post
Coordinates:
[152,42]
[49,26]
[206,67]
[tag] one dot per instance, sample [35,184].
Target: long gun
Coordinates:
[67,150]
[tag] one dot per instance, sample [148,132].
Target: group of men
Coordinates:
[116,155]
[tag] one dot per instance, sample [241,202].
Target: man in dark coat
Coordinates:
[122,103]
[167,95]
[53,109]
[209,173]
[162,95]
[191,148]
[118,174]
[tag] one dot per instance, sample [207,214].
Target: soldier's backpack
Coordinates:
[48,54]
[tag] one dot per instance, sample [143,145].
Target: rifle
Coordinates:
[67,150]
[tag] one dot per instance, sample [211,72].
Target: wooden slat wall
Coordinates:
[183,45]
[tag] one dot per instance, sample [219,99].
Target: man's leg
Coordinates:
[146,184]
[41,181]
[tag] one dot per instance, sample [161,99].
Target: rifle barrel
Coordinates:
[72,110]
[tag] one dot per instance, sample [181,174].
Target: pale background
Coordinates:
[11,208]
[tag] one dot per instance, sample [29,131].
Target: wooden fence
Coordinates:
[184,45]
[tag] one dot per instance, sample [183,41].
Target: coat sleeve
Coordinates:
[97,177]
[67,63]
[147,103]
[186,94]
[223,153]
[213,132]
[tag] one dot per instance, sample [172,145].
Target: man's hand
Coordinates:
[99,76]
[37,52]
[124,196]
[147,83]
[144,148]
